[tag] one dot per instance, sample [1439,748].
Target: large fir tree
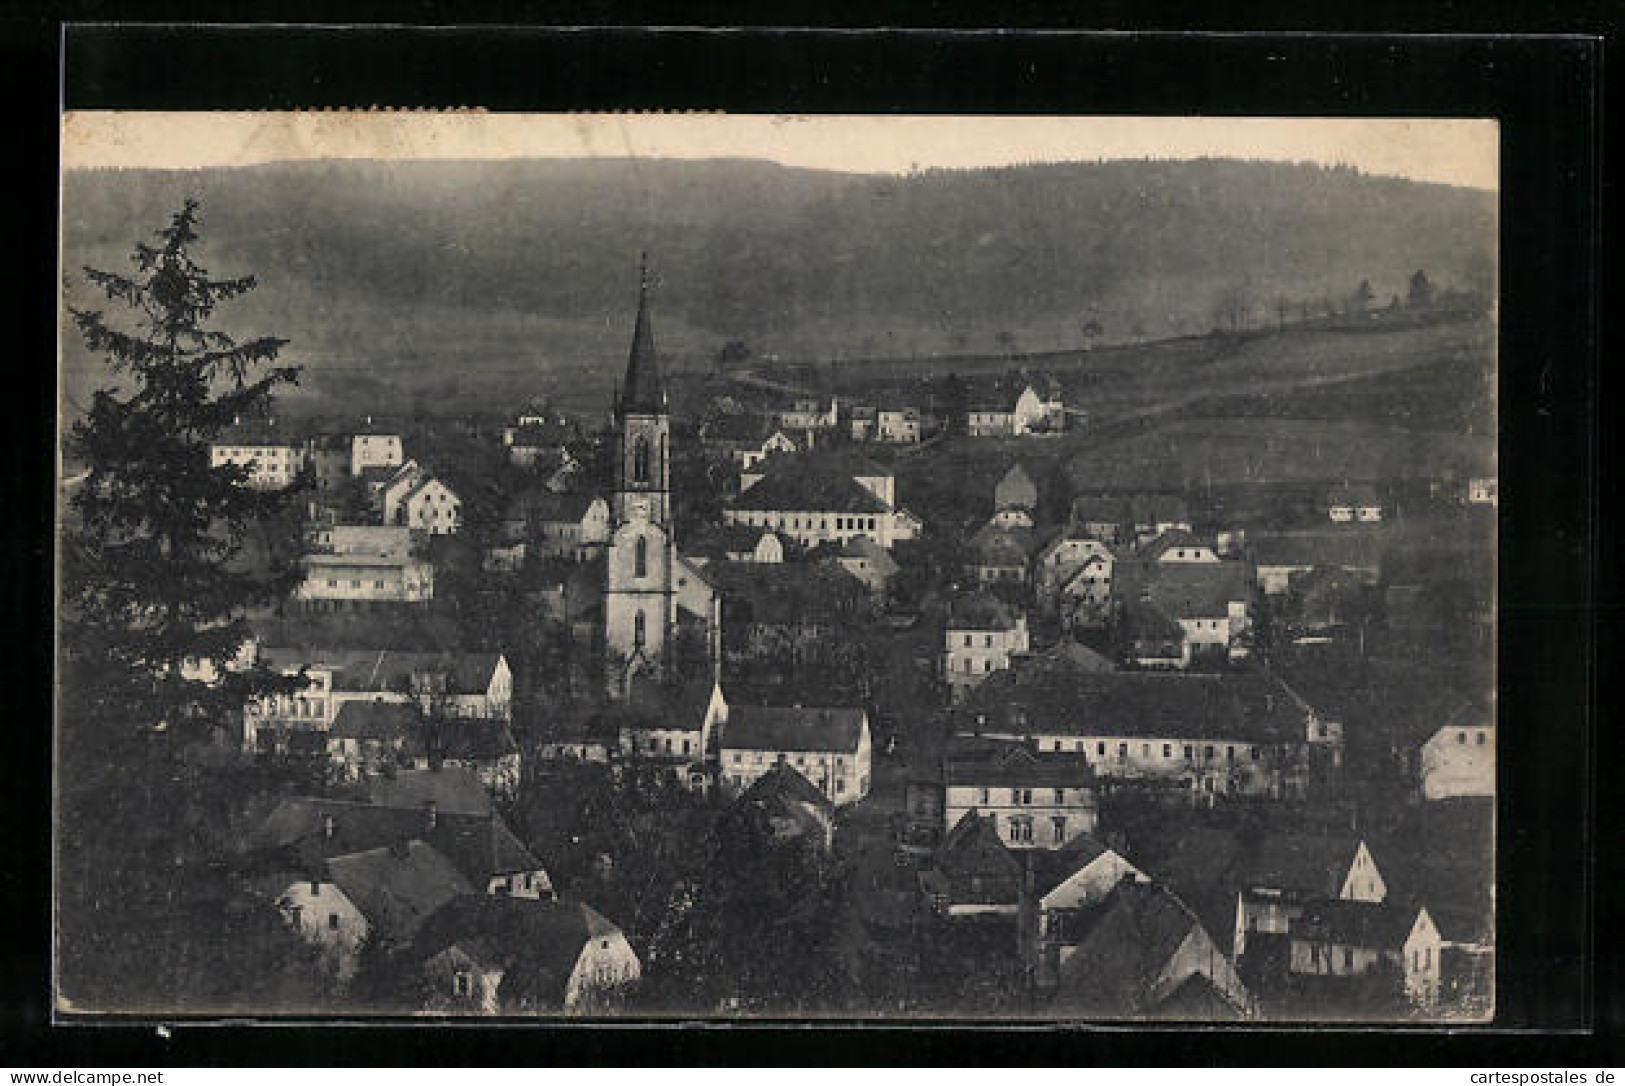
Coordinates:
[153,574]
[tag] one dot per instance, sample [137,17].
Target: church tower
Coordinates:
[639,605]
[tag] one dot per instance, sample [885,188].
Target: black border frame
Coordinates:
[1546,91]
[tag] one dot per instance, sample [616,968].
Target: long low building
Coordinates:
[1243,733]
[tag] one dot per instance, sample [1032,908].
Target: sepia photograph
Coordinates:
[721,566]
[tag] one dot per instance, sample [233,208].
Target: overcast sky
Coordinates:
[1457,152]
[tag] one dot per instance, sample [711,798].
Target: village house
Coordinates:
[1243,733]
[898,424]
[809,415]
[488,955]
[538,436]
[1100,516]
[431,506]
[483,746]
[1282,873]
[1177,545]
[784,803]
[451,788]
[829,746]
[1210,601]
[1449,962]
[776,443]
[375,446]
[973,873]
[306,830]
[396,887]
[571,525]
[999,555]
[1032,800]
[355,567]
[1153,514]
[983,635]
[673,727]
[1015,490]
[328,457]
[1035,407]
[815,499]
[1281,557]
[368,736]
[1458,757]
[1070,882]
[1354,502]
[1138,518]
[863,559]
[1145,954]
[738,543]
[1349,938]
[448,685]
[319,913]
[274,459]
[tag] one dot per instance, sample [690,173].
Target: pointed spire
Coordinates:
[643,393]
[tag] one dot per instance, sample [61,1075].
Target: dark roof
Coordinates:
[452,788]
[1146,621]
[784,781]
[382,720]
[996,763]
[541,939]
[1353,494]
[476,739]
[1354,923]
[816,491]
[1174,537]
[973,847]
[396,889]
[261,432]
[1054,866]
[1185,589]
[548,507]
[1302,863]
[786,593]
[479,845]
[753,727]
[981,611]
[1122,958]
[1034,699]
[642,393]
[1196,999]
[372,670]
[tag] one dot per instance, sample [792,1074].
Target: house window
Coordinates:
[638,627]
[1348,957]
[1122,751]
[1060,793]
[1021,829]
[1058,826]
[1207,751]
[1167,750]
[686,745]
[1229,754]
[1145,750]
[463,985]
[987,665]
[332,921]
[967,641]
[1461,737]
[1480,738]
[988,641]
[984,797]
[1100,749]
[840,785]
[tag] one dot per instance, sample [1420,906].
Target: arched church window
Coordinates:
[640,460]
[640,555]
[637,627]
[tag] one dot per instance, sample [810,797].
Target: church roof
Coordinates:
[643,392]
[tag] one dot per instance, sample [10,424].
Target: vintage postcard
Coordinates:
[804,567]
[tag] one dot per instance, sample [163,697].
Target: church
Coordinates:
[653,597]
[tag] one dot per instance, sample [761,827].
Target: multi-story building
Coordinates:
[817,499]
[983,635]
[1036,800]
[375,446]
[274,459]
[829,746]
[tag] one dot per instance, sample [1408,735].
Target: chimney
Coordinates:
[327,827]
[431,815]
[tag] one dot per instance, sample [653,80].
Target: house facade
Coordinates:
[274,461]
[1032,800]
[831,747]
[1459,759]
[372,447]
[982,636]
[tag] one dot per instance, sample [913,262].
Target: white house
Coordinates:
[1244,733]
[325,917]
[775,443]
[898,425]
[375,447]
[982,636]
[1459,758]
[1354,503]
[831,747]
[1348,937]
[1178,545]
[432,506]
[1483,490]
[395,488]
[814,500]
[273,459]
[1285,872]
[488,955]
[1037,409]
[1034,800]
[809,415]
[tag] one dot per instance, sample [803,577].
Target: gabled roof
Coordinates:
[452,788]
[549,507]
[973,847]
[1000,546]
[1116,967]
[476,739]
[1144,620]
[539,941]
[377,670]
[786,593]
[754,727]
[1185,590]
[1174,537]
[397,889]
[1243,707]
[1055,866]
[385,721]
[480,846]
[816,491]
[1302,863]
[1001,763]
[784,782]
[981,611]
[1355,923]
[256,432]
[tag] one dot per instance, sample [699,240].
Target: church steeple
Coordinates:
[642,393]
